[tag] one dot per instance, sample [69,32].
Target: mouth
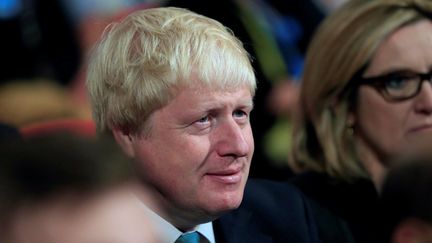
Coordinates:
[422,128]
[227,176]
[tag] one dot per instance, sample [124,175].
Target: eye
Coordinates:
[202,125]
[204,119]
[241,116]
[399,81]
[239,113]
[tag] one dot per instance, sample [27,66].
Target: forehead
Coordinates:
[409,47]
[220,78]
[197,94]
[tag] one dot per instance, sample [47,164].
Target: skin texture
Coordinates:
[196,160]
[384,128]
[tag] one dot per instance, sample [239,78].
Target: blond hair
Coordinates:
[343,45]
[141,61]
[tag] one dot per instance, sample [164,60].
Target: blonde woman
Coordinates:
[363,100]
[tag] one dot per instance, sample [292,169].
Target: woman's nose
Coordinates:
[424,99]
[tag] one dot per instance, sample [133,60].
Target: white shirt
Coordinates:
[168,233]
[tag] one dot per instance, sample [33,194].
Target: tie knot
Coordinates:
[190,237]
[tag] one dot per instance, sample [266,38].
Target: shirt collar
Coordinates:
[207,231]
[168,233]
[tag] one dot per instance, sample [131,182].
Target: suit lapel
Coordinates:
[239,226]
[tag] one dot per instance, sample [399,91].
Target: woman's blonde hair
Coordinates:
[343,45]
[141,61]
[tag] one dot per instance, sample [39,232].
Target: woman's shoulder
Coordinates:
[328,190]
[353,205]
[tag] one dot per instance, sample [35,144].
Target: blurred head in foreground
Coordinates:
[63,188]
[406,195]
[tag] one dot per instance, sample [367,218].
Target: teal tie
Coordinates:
[191,237]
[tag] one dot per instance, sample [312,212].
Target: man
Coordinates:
[176,91]
[68,189]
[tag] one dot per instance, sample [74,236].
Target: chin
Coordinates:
[226,203]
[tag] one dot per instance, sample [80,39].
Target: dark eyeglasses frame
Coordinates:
[379,83]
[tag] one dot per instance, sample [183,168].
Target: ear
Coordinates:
[336,104]
[351,119]
[124,139]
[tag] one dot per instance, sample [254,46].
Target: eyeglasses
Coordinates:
[398,86]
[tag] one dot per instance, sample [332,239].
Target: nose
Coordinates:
[233,139]
[424,99]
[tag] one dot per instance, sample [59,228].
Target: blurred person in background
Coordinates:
[38,41]
[44,45]
[175,89]
[363,99]
[31,101]
[70,189]
[89,19]
[41,55]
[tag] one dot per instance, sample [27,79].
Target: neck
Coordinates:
[372,163]
[182,219]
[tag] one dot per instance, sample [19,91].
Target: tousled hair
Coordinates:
[141,61]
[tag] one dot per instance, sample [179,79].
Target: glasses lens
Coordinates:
[402,86]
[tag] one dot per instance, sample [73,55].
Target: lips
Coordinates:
[422,128]
[226,176]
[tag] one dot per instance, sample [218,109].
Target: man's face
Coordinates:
[197,156]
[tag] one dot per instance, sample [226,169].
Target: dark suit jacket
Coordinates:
[270,212]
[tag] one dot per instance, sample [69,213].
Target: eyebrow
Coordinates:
[394,70]
[240,104]
[249,103]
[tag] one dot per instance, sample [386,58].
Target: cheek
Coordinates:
[373,113]
[250,139]
[380,123]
